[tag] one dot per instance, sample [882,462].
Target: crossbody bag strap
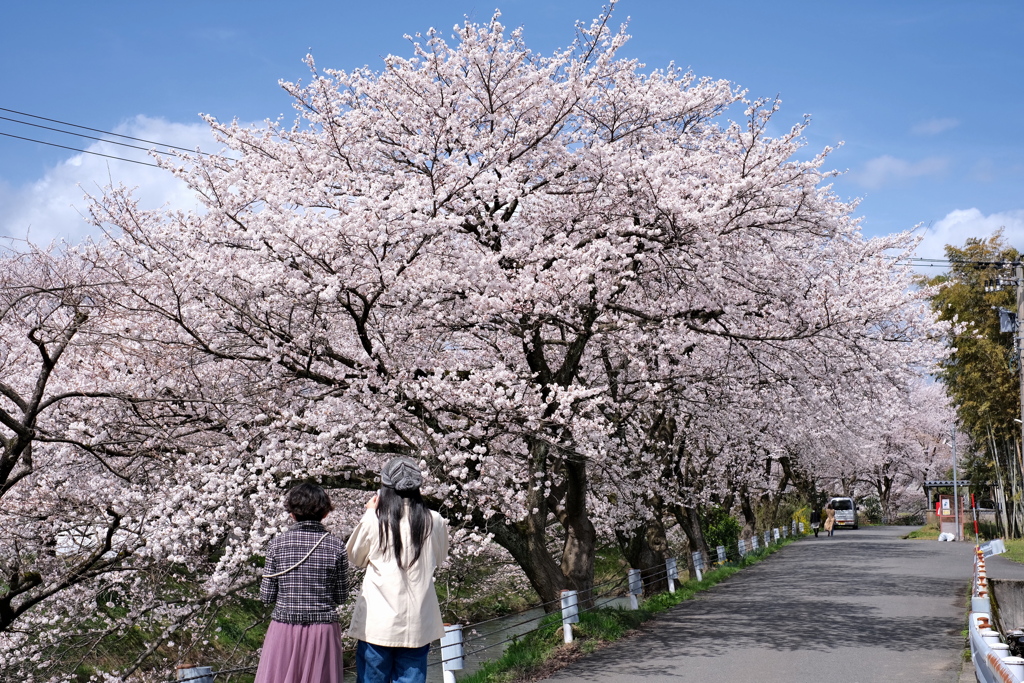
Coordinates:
[294,566]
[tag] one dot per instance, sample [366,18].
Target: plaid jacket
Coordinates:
[310,593]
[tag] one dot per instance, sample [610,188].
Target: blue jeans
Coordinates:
[380,664]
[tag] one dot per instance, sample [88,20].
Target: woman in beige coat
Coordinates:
[830,519]
[400,543]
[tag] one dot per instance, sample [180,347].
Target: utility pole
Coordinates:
[1018,276]
[1018,340]
[956,492]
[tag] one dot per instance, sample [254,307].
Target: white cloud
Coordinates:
[53,206]
[884,170]
[934,126]
[961,224]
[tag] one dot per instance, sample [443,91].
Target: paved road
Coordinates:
[860,607]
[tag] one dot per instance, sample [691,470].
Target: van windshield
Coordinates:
[842,504]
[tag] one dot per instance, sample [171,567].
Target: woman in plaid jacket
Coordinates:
[306,577]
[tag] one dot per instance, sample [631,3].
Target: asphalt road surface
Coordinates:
[860,607]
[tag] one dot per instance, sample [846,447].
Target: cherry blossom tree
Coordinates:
[78,466]
[910,445]
[585,300]
[454,258]
[105,438]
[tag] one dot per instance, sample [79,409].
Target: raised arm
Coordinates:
[360,543]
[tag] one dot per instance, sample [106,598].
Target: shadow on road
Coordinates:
[859,589]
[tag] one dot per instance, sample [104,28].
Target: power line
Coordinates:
[922,262]
[83,151]
[97,130]
[969,262]
[68,132]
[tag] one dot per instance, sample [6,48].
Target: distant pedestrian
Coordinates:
[400,542]
[816,520]
[830,520]
[306,576]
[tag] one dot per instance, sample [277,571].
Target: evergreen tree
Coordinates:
[981,373]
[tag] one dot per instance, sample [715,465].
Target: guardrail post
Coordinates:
[698,564]
[1000,650]
[775,534]
[452,651]
[1016,666]
[989,635]
[802,527]
[672,573]
[767,538]
[721,554]
[753,543]
[636,587]
[196,674]
[570,613]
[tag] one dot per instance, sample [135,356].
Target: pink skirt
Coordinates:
[301,653]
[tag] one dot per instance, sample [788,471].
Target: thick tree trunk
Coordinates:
[531,554]
[527,540]
[749,518]
[689,521]
[884,487]
[645,547]
[580,535]
[796,474]
[772,501]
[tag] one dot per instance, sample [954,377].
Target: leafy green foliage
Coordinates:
[871,508]
[720,528]
[978,373]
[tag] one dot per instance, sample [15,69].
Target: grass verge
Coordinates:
[542,652]
[929,532]
[1014,549]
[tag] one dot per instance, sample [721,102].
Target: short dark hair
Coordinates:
[307,502]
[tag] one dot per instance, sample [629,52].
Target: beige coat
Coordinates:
[830,520]
[397,608]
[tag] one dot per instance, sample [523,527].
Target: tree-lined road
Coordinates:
[863,606]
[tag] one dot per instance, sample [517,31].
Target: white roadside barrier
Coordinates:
[453,644]
[672,573]
[196,674]
[451,651]
[570,613]
[636,588]
[698,564]
[992,660]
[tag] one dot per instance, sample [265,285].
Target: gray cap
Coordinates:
[401,474]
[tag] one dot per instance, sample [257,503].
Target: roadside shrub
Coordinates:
[720,527]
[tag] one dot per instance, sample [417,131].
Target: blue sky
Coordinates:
[926,95]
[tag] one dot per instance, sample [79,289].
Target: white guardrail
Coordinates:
[454,643]
[993,662]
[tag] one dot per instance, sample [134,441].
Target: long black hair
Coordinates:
[390,508]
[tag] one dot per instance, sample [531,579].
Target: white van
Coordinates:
[846,512]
